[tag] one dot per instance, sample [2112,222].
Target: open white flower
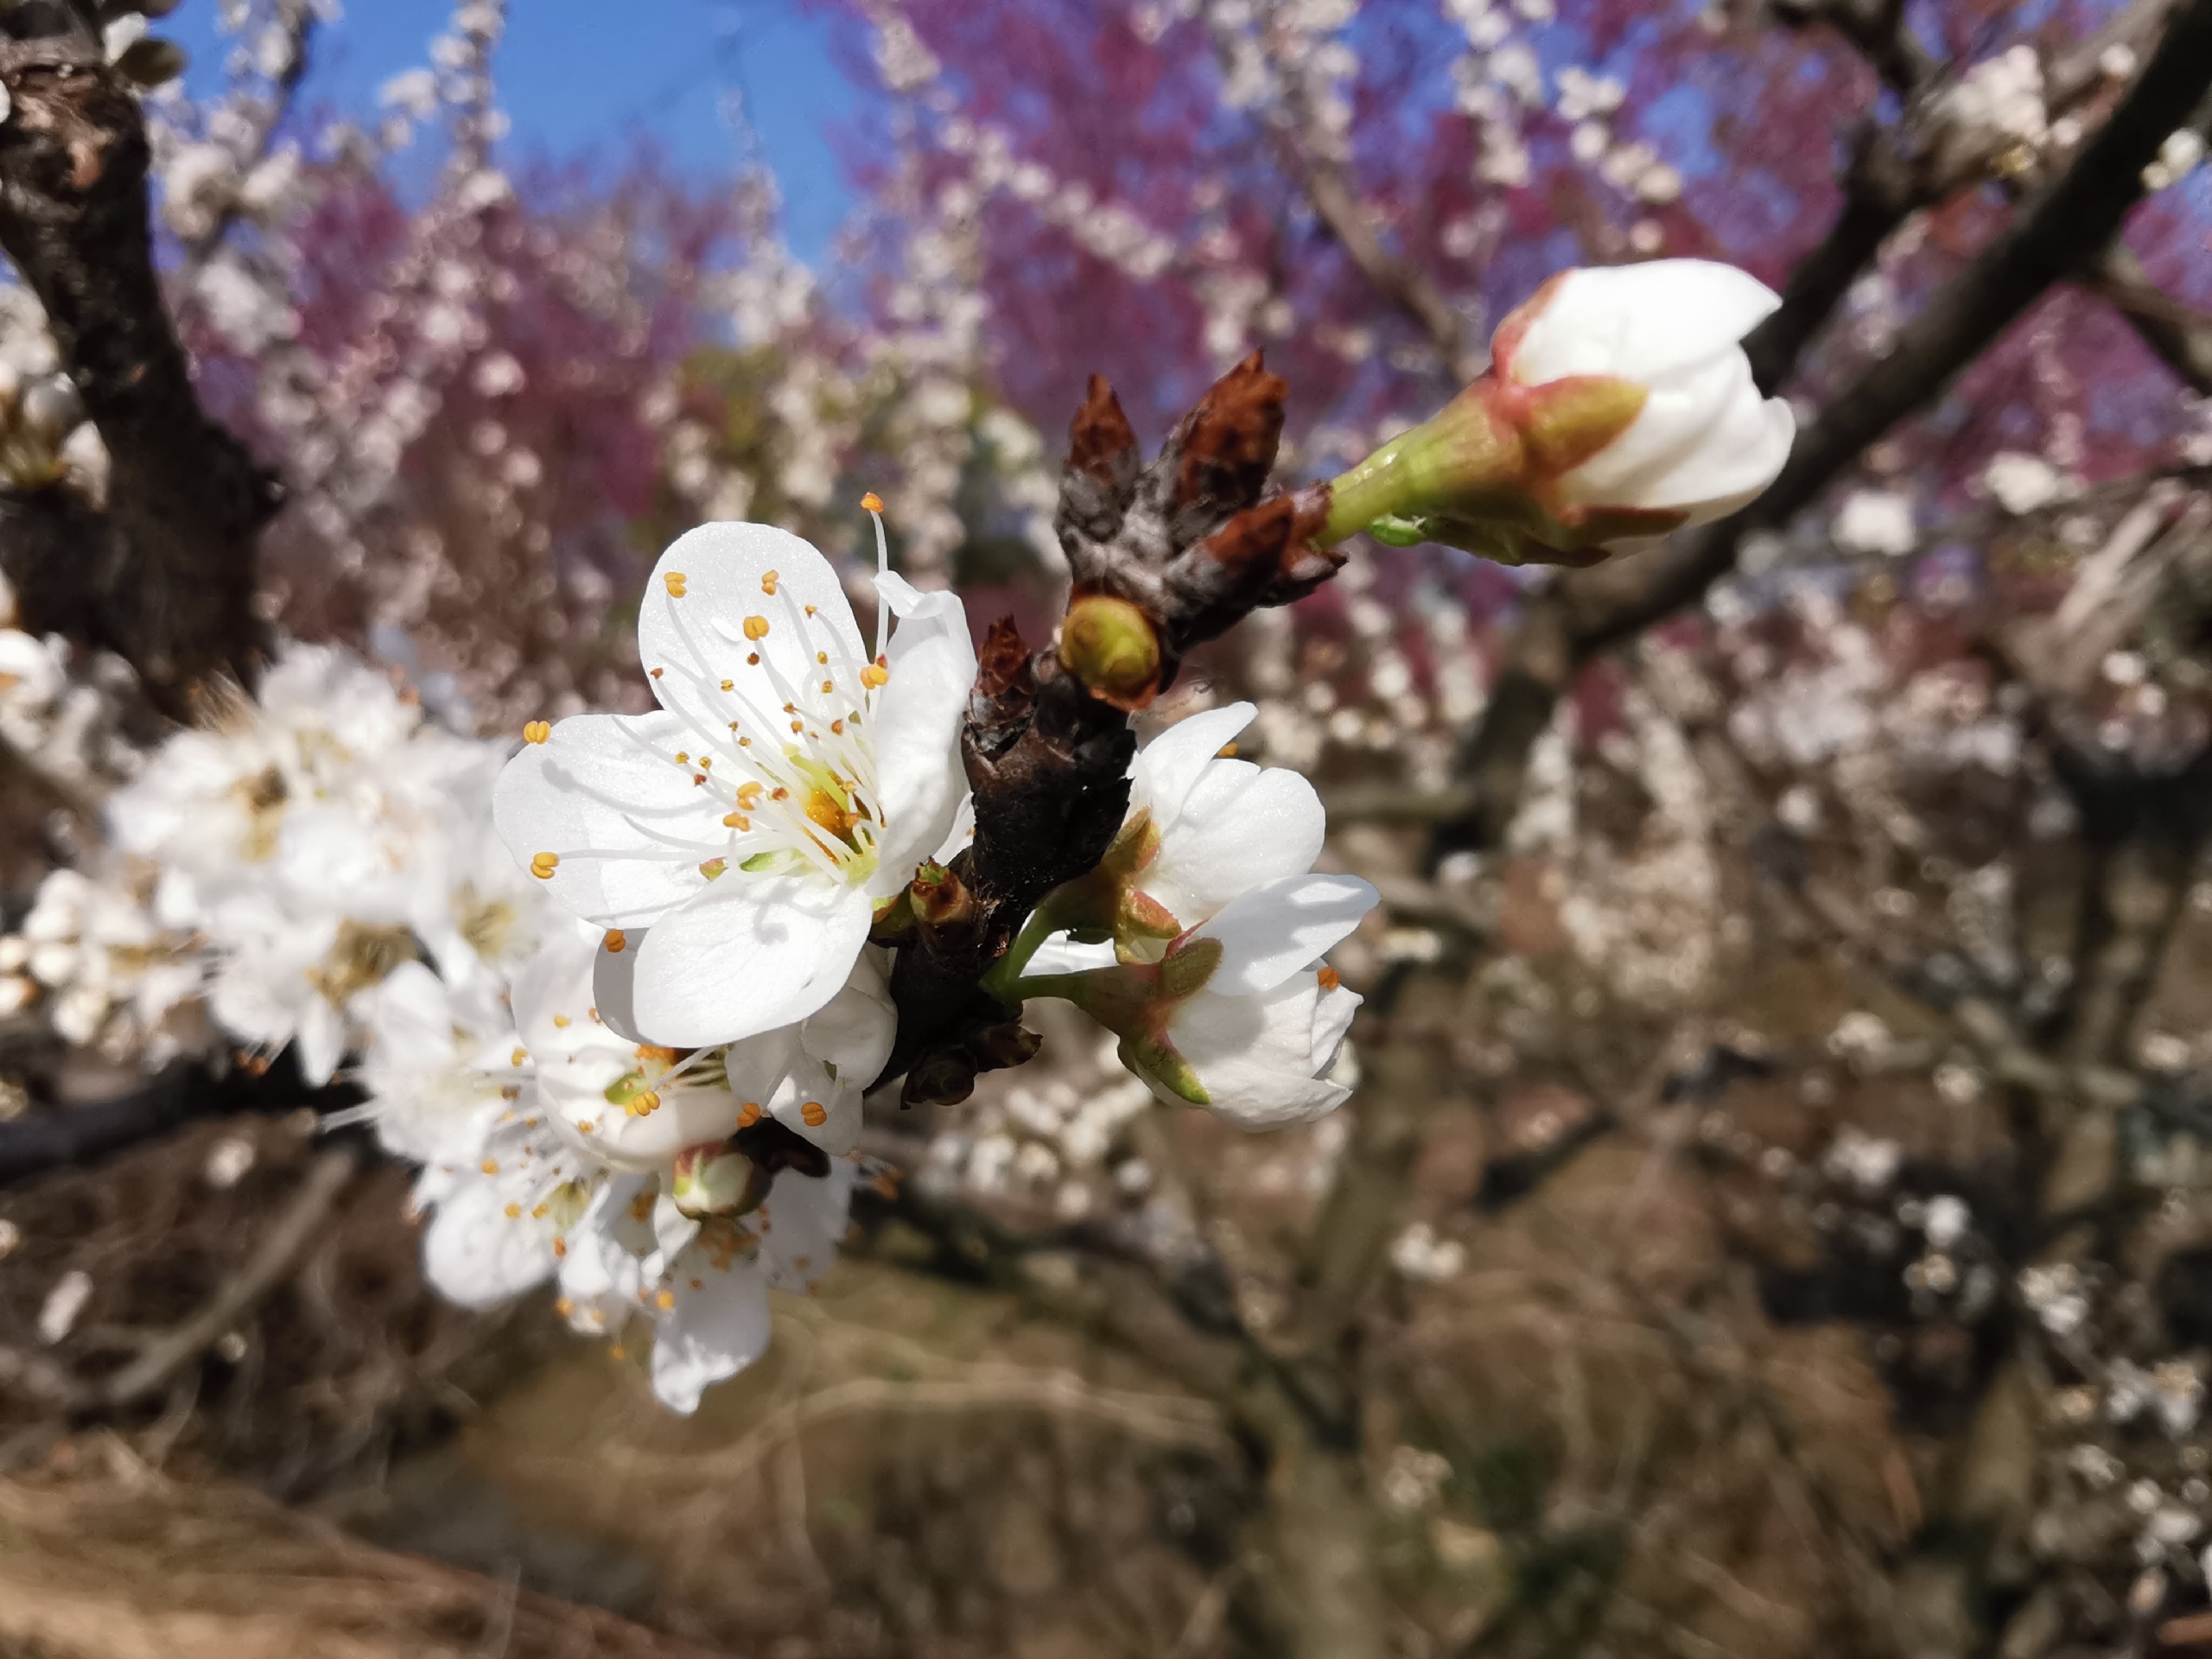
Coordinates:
[1237,1015]
[641,1106]
[434,1063]
[699,1285]
[790,779]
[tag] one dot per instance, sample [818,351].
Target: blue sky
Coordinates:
[580,77]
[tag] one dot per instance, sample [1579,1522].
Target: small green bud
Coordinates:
[1112,647]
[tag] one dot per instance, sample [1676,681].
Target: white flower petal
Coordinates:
[475,1254]
[1641,321]
[1239,828]
[854,1030]
[1166,769]
[689,1115]
[615,983]
[1253,1055]
[605,796]
[748,954]
[1061,955]
[1271,932]
[806,1217]
[915,728]
[1706,439]
[1332,1018]
[823,1109]
[713,1330]
[698,639]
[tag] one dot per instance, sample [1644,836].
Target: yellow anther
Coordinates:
[756,627]
[871,502]
[674,579]
[875,675]
[828,685]
[798,725]
[564,1306]
[768,584]
[822,808]
[683,757]
[518,1057]
[514,1212]
[644,1104]
[491,1166]
[1329,979]
[815,1114]
[729,685]
[560,1247]
[666,1301]
[838,727]
[749,1114]
[542,865]
[714,867]
[820,656]
[560,1022]
[537,731]
[736,821]
[748,795]
[615,941]
[1226,752]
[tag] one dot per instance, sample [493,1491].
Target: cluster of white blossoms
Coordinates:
[619,993]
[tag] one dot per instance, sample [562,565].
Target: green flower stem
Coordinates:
[1453,461]
[1069,988]
[1043,923]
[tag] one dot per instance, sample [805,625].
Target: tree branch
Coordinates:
[1400,282]
[299,26]
[2179,334]
[1186,545]
[170,588]
[1876,30]
[54,1138]
[1584,612]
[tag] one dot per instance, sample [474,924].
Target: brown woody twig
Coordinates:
[171,585]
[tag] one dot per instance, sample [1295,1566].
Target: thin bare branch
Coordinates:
[1587,612]
[2181,334]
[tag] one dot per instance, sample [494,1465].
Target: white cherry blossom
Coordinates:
[791,779]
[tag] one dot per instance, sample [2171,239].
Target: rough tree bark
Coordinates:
[166,580]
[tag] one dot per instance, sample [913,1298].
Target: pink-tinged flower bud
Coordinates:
[1619,406]
[713,1180]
